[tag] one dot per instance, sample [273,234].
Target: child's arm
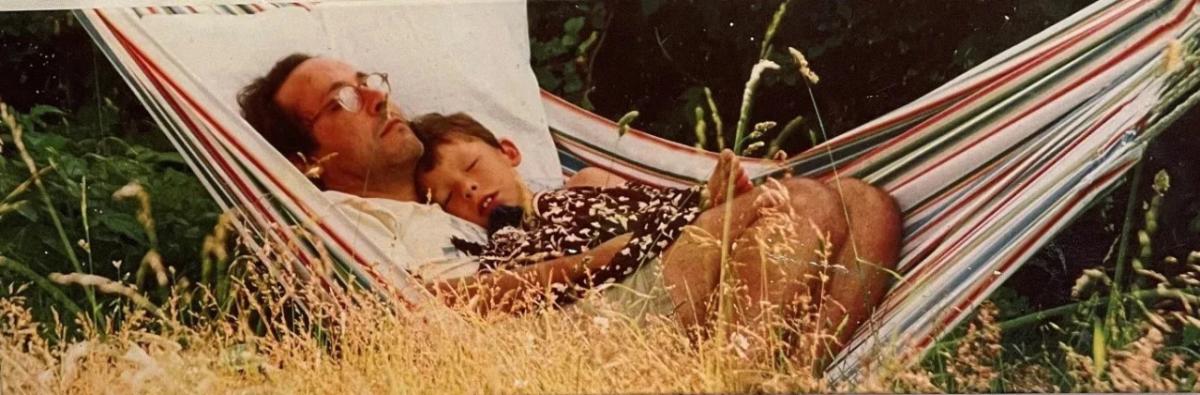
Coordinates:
[594,177]
[523,288]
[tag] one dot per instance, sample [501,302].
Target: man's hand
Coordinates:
[718,182]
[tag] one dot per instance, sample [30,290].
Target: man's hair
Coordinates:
[284,131]
[435,130]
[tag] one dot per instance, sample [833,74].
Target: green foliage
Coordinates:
[1114,307]
[562,57]
[83,173]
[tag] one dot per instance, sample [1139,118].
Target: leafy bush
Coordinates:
[79,176]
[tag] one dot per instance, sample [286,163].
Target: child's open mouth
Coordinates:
[486,204]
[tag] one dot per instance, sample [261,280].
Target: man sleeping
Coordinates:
[337,124]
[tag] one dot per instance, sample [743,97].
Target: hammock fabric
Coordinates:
[986,168]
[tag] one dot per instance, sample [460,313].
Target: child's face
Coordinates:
[472,178]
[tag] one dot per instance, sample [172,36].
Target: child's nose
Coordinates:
[469,188]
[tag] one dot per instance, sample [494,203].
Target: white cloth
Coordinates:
[642,295]
[415,236]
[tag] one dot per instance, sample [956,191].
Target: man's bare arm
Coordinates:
[518,290]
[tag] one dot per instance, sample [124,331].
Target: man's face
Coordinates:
[374,138]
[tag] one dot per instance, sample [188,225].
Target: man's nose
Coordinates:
[375,102]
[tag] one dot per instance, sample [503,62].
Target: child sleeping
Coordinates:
[471,174]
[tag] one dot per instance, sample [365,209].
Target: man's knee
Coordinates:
[866,199]
[876,222]
[818,205]
[807,193]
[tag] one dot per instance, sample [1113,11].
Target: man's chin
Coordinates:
[404,156]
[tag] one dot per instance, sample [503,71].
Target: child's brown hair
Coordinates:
[435,130]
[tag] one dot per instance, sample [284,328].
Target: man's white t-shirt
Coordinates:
[415,236]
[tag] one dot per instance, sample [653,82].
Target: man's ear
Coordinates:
[510,150]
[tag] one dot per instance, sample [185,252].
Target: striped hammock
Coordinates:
[986,168]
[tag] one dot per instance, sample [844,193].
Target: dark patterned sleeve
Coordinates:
[572,221]
[658,216]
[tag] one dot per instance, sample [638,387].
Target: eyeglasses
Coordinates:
[349,97]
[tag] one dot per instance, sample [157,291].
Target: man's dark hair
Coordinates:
[435,129]
[284,131]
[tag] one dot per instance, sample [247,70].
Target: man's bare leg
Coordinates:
[795,243]
[778,261]
[865,264]
[691,267]
[857,280]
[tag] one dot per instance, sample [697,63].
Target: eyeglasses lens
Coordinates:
[347,97]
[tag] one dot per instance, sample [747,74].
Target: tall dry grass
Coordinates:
[281,334]
[423,352]
[262,328]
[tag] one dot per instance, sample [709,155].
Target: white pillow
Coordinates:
[445,57]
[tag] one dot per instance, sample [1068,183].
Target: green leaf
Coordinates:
[1191,336]
[28,211]
[574,84]
[40,110]
[123,224]
[569,40]
[571,26]
[42,282]
[546,79]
